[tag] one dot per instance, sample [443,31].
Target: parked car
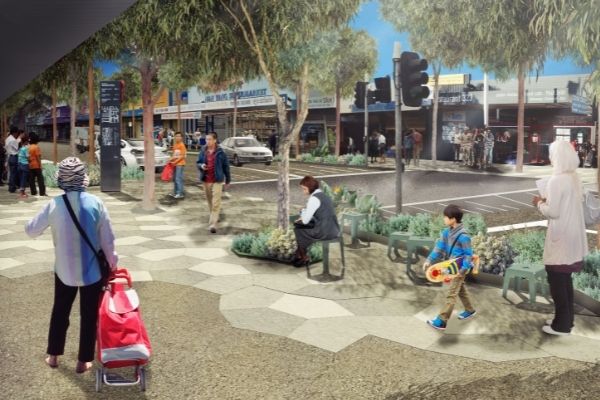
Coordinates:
[241,150]
[132,154]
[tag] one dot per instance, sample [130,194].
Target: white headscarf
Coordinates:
[565,160]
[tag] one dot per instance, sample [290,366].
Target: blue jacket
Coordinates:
[221,166]
[462,249]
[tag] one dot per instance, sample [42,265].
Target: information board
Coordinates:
[110,136]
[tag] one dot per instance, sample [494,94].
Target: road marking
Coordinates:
[422,209]
[463,198]
[263,170]
[358,174]
[516,201]
[514,208]
[485,211]
[485,205]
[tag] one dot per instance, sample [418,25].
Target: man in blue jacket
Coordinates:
[214,173]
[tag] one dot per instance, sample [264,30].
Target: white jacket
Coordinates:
[566,240]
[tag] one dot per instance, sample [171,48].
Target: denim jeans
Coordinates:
[489,155]
[13,173]
[178,179]
[23,176]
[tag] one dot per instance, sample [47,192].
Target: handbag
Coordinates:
[100,256]
[167,173]
[300,225]
[591,209]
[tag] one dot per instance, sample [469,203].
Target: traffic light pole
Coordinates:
[398,127]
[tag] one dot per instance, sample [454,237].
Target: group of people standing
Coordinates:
[21,157]
[413,146]
[474,148]
[214,173]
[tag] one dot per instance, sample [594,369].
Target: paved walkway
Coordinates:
[173,245]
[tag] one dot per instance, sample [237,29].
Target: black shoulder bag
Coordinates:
[102,261]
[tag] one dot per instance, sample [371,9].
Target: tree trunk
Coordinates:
[54,126]
[598,166]
[434,117]
[91,115]
[235,96]
[178,102]
[283,185]
[73,116]
[521,118]
[297,142]
[147,72]
[338,123]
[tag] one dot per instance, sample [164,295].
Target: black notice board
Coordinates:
[110,136]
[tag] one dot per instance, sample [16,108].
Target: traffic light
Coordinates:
[383,94]
[412,78]
[359,94]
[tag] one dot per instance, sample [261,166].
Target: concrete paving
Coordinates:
[375,300]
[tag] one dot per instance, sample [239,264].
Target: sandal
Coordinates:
[52,361]
[81,367]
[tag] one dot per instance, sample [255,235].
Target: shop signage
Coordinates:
[218,105]
[183,115]
[457,98]
[581,105]
[451,79]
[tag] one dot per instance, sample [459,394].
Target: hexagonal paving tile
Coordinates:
[309,307]
[220,269]
[333,334]
[205,253]
[130,240]
[225,284]
[250,297]
[263,320]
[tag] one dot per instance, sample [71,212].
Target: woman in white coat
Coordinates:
[566,241]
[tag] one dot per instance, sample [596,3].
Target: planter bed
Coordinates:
[491,279]
[288,262]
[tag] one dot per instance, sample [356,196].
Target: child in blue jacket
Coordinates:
[454,242]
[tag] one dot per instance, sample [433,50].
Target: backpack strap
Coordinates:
[453,244]
[79,228]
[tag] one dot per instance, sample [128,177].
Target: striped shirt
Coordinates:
[461,250]
[75,263]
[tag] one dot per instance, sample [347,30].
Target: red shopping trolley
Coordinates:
[122,338]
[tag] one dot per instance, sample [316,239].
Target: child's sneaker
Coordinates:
[466,314]
[437,323]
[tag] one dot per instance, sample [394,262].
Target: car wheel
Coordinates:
[236,161]
[268,163]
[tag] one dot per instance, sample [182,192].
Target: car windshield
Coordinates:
[246,143]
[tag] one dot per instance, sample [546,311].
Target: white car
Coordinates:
[132,154]
[241,149]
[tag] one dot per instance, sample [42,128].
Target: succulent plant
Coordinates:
[495,253]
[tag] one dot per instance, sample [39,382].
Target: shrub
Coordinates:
[277,157]
[281,244]
[436,226]
[397,223]
[243,243]
[368,204]
[374,223]
[307,157]
[320,151]
[49,173]
[420,224]
[330,159]
[358,159]
[588,280]
[132,174]
[259,245]
[349,197]
[325,188]
[495,253]
[315,252]
[529,246]
[93,172]
[474,224]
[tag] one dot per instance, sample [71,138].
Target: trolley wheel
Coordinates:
[142,373]
[99,379]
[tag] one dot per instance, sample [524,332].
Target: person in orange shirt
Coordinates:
[35,165]
[178,159]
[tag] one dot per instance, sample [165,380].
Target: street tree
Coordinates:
[431,35]
[131,90]
[279,34]
[352,55]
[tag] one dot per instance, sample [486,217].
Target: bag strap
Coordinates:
[79,228]
[453,244]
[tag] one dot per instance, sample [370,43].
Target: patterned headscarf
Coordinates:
[71,175]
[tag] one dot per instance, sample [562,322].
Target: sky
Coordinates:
[369,19]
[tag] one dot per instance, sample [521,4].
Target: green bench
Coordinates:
[326,276]
[535,274]
[412,245]
[394,241]
[354,219]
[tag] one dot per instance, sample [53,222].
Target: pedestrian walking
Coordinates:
[418,145]
[478,144]
[373,146]
[76,267]
[351,149]
[23,165]
[273,142]
[467,148]
[566,241]
[3,162]
[317,221]
[11,145]
[382,146]
[488,148]
[35,166]
[457,140]
[454,243]
[408,143]
[178,160]
[214,173]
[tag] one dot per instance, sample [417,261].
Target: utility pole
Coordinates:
[366,121]
[398,125]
